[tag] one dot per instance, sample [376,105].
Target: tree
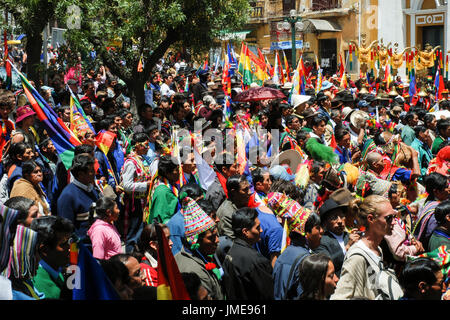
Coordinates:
[147,28]
[31,16]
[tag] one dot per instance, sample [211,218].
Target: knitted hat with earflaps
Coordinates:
[196,221]
[289,209]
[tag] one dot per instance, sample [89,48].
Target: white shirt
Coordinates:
[340,239]
[166,91]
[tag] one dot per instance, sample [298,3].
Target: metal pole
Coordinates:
[45,55]
[293,43]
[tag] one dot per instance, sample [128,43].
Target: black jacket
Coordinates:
[247,273]
[330,246]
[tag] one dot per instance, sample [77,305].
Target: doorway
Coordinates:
[433,35]
[328,55]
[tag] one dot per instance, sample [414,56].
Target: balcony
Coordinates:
[320,5]
[257,12]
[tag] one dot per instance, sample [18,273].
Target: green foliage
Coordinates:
[149,27]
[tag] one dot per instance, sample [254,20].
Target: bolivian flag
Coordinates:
[244,68]
[170,283]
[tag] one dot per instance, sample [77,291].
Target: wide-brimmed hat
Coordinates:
[289,209]
[342,196]
[287,85]
[382,96]
[396,111]
[326,85]
[321,96]
[346,111]
[298,99]
[328,206]
[370,98]
[347,96]
[196,221]
[358,118]
[291,158]
[24,112]
[308,113]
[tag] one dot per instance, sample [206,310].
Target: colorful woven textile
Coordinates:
[196,221]
[7,219]
[23,261]
[289,209]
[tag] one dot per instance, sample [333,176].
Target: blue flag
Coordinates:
[95,285]
[412,86]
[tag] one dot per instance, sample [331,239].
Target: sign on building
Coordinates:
[58,37]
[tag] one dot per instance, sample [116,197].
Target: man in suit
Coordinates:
[336,241]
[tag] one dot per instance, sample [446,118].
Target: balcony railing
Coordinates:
[257,12]
[318,5]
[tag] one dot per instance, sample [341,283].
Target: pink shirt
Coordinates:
[105,240]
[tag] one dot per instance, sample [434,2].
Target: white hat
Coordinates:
[287,85]
[291,158]
[346,111]
[358,118]
[254,85]
[298,99]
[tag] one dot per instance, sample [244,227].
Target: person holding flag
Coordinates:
[136,181]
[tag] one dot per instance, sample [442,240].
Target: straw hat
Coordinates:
[358,118]
[291,158]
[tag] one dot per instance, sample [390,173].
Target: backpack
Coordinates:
[382,278]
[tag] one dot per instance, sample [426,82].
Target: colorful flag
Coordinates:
[412,85]
[226,76]
[281,71]
[186,84]
[78,115]
[206,174]
[104,141]
[8,80]
[170,283]
[286,66]
[231,59]
[341,66]
[276,74]
[439,84]
[343,76]
[244,68]
[140,66]
[205,64]
[94,283]
[62,137]
[387,76]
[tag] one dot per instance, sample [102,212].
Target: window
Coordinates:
[325,4]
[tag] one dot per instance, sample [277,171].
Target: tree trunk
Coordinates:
[33,49]
[136,92]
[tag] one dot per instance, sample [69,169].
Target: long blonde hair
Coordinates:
[362,208]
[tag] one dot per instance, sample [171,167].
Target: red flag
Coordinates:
[341,67]
[170,283]
[280,68]
[333,143]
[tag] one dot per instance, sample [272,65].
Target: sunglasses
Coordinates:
[389,218]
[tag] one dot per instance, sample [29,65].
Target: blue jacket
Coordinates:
[176,227]
[74,204]
[281,271]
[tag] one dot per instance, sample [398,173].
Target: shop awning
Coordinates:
[320,25]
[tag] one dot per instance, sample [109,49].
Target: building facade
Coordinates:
[329,26]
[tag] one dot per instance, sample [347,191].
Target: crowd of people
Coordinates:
[336,193]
